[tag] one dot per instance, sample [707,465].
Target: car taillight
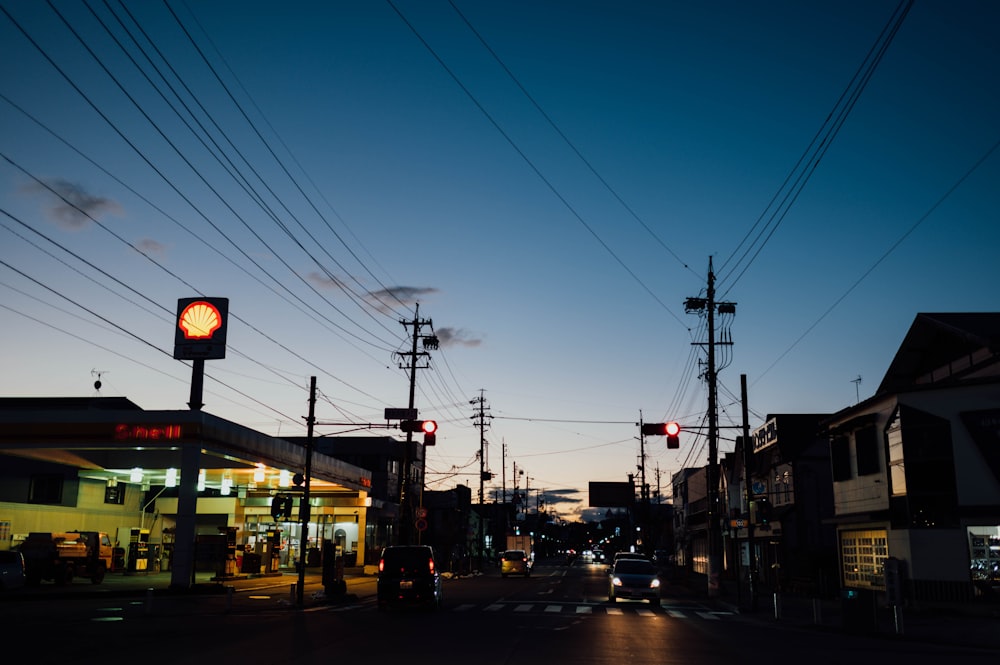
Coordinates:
[430,564]
[381,565]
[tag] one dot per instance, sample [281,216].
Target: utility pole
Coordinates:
[748,491]
[709,307]
[642,518]
[503,471]
[643,488]
[405,499]
[481,420]
[304,501]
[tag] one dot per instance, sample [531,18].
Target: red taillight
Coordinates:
[381,565]
[430,564]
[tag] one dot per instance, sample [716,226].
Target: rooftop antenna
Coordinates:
[857,392]
[97,383]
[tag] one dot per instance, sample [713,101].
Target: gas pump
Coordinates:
[135,542]
[274,550]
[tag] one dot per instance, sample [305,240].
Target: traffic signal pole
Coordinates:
[406,516]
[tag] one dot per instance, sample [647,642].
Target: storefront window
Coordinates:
[984,555]
[863,555]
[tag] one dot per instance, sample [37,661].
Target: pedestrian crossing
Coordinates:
[588,609]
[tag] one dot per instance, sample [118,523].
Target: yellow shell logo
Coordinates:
[199,320]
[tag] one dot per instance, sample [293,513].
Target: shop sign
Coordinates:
[765,436]
[200,328]
[125,432]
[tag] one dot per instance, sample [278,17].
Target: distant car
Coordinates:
[408,576]
[630,555]
[514,562]
[11,569]
[633,579]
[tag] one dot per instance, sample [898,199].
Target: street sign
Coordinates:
[421,512]
[421,524]
[400,414]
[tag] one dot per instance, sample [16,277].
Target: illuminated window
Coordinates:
[862,556]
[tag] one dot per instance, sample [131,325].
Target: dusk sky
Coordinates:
[547,179]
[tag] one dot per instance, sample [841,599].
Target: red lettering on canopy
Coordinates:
[147,432]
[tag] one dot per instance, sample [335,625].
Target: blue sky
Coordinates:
[547,179]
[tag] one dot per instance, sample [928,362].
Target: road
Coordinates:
[558,615]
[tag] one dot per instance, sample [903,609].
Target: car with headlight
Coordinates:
[634,579]
[408,576]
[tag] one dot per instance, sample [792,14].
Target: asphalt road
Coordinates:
[558,615]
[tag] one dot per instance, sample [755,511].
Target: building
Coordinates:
[786,521]
[183,490]
[916,467]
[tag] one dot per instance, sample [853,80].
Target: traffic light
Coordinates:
[281,508]
[763,511]
[428,427]
[671,430]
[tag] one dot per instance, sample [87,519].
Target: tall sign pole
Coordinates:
[199,335]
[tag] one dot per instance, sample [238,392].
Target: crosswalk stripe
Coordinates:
[593,609]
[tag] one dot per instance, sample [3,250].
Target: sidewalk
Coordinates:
[282,584]
[975,624]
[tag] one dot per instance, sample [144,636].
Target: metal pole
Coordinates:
[304,501]
[748,492]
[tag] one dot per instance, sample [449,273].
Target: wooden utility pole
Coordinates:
[481,419]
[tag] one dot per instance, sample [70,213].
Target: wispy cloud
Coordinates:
[324,281]
[456,337]
[71,206]
[150,246]
[383,299]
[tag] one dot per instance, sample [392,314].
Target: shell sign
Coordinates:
[201,328]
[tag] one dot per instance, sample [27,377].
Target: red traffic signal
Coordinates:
[428,427]
[425,426]
[670,430]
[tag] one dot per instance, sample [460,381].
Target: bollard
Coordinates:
[229,597]
[817,611]
[897,618]
[777,605]
[149,601]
